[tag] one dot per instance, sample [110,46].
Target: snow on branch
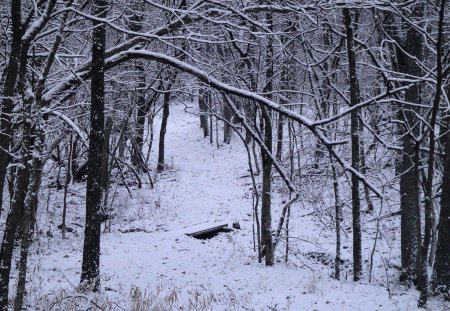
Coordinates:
[228,89]
[69,122]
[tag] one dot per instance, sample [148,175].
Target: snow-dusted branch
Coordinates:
[229,89]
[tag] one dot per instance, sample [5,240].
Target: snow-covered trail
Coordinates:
[206,186]
[202,186]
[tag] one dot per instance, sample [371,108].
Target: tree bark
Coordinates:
[15,215]
[429,212]
[338,217]
[142,111]
[29,219]
[410,226]
[227,114]
[12,223]
[8,84]
[105,169]
[203,107]
[266,212]
[90,270]
[279,137]
[354,99]
[165,117]
[441,273]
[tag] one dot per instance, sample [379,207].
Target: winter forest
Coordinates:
[224,155]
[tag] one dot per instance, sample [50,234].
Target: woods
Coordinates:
[342,108]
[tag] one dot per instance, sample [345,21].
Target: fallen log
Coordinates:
[210,232]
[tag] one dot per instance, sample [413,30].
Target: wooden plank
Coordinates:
[209,232]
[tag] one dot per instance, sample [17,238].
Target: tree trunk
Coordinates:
[408,169]
[203,107]
[29,220]
[162,133]
[68,163]
[429,209]
[15,215]
[90,270]
[338,216]
[105,167]
[142,111]
[364,171]
[227,114]
[354,99]
[74,158]
[279,137]
[441,273]
[12,223]
[135,25]
[266,213]
[8,84]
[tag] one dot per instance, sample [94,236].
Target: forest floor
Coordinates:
[149,263]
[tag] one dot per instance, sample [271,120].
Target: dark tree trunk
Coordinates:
[203,107]
[338,217]
[142,111]
[408,171]
[227,115]
[21,179]
[441,273]
[266,213]
[16,212]
[27,183]
[74,158]
[12,223]
[279,137]
[429,209]
[8,84]
[354,99]
[90,270]
[29,219]
[363,170]
[162,133]
[105,167]
[141,106]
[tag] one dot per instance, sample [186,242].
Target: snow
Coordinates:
[163,268]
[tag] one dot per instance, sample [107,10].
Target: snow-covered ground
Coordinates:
[148,262]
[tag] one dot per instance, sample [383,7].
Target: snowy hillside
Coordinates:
[149,263]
